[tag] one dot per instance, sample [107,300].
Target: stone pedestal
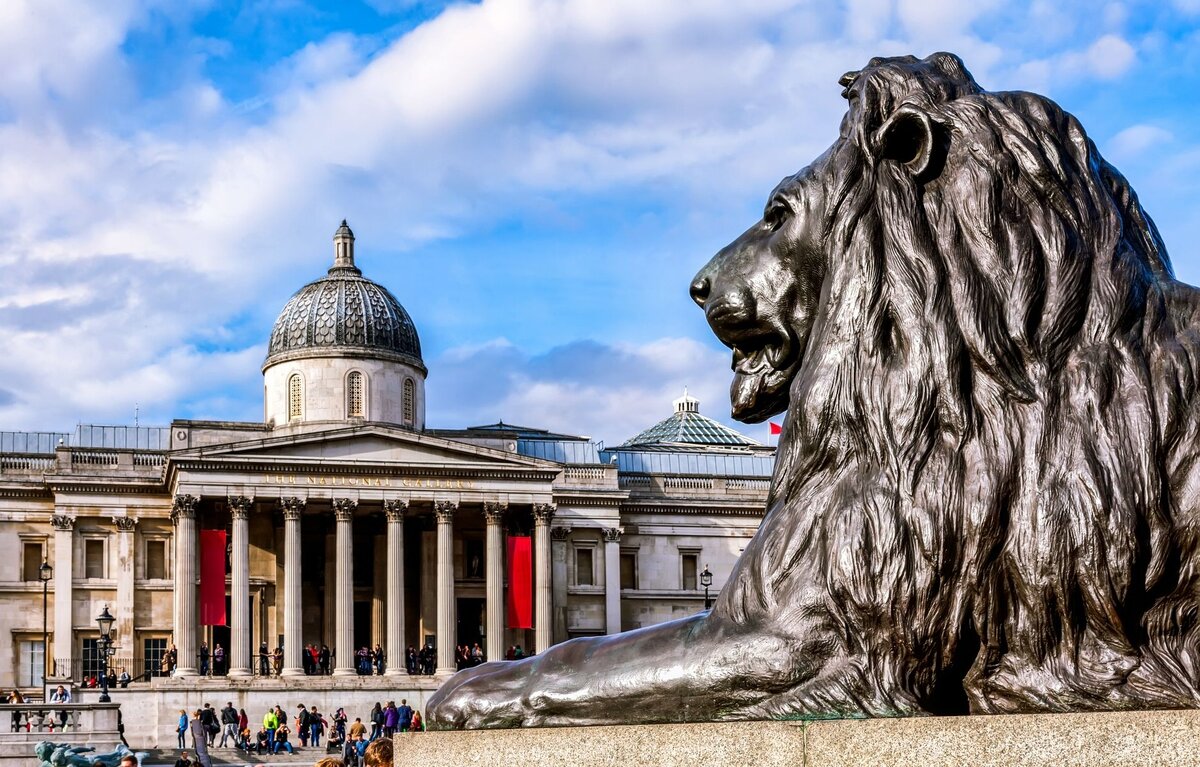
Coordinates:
[1045,740]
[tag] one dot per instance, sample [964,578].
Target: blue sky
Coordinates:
[535,180]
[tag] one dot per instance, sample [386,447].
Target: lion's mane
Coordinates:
[987,467]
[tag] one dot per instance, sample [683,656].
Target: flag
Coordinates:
[775,428]
[520,582]
[212,578]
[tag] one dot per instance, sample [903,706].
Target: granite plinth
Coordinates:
[1058,740]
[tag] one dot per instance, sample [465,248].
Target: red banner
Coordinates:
[520,582]
[212,578]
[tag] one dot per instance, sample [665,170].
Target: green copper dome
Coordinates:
[687,427]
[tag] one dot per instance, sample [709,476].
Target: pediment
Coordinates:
[367,445]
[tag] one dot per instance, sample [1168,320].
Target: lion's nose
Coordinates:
[700,290]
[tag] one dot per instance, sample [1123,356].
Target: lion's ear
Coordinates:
[911,138]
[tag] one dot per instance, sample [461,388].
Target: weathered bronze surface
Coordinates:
[987,487]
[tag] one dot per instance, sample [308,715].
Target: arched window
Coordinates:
[295,397]
[410,395]
[355,395]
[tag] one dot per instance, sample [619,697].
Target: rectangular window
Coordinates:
[153,651]
[156,560]
[689,571]
[31,663]
[31,561]
[90,658]
[629,570]
[93,559]
[584,576]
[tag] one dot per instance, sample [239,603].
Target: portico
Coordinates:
[435,501]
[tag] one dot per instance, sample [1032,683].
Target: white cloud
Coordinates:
[1136,139]
[1110,57]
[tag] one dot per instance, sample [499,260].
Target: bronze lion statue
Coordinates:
[985,495]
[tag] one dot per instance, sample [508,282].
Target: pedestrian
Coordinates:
[302,725]
[404,716]
[324,657]
[376,721]
[61,695]
[281,739]
[357,729]
[417,724]
[208,718]
[264,668]
[229,724]
[270,724]
[339,722]
[200,741]
[181,727]
[171,660]
[277,660]
[379,659]
[316,726]
[261,743]
[390,719]
[17,697]
[184,760]
[203,665]
[243,722]
[410,660]
[121,729]
[218,660]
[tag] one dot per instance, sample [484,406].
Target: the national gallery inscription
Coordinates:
[338,480]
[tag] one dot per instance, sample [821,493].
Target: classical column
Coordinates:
[543,622]
[239,586]
[343,512]
[124,606]
[64,546]
[444,512]
[394,510]
[493,513]
[293,595]
[183,514]
[558,581]
[612,579]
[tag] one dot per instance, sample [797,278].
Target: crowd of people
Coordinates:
[318,660]
[231,727]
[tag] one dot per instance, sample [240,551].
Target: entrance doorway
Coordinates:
[221,636]
[471,618]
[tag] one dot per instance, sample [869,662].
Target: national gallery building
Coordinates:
[343,519]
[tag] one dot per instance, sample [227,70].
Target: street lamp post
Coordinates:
[706,581]
[45,573]
[105,620]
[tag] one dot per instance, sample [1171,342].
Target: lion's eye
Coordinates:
[776,214]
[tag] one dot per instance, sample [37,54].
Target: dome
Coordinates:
[687,427]
[344,313]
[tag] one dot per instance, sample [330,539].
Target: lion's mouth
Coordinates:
[763,367]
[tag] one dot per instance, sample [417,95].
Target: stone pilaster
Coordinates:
[293,594]
[239,587]
[344,652]
[612,579]
[543,635]
[493,514]
[446,615]
[183,514]
[124,608]
[394,511]
[64,595]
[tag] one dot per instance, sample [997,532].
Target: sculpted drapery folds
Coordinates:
[982,494]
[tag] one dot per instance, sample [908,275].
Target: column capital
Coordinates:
[125,524]
[559,533]
[64,522]
[239,506]
[395,509]
[493,512]
[292,507]
[183,507]
[444,511]
[543,513]
[613,534]
[343,508]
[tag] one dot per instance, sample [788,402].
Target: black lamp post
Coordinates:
[706,581]
[105,621]
[45,573]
